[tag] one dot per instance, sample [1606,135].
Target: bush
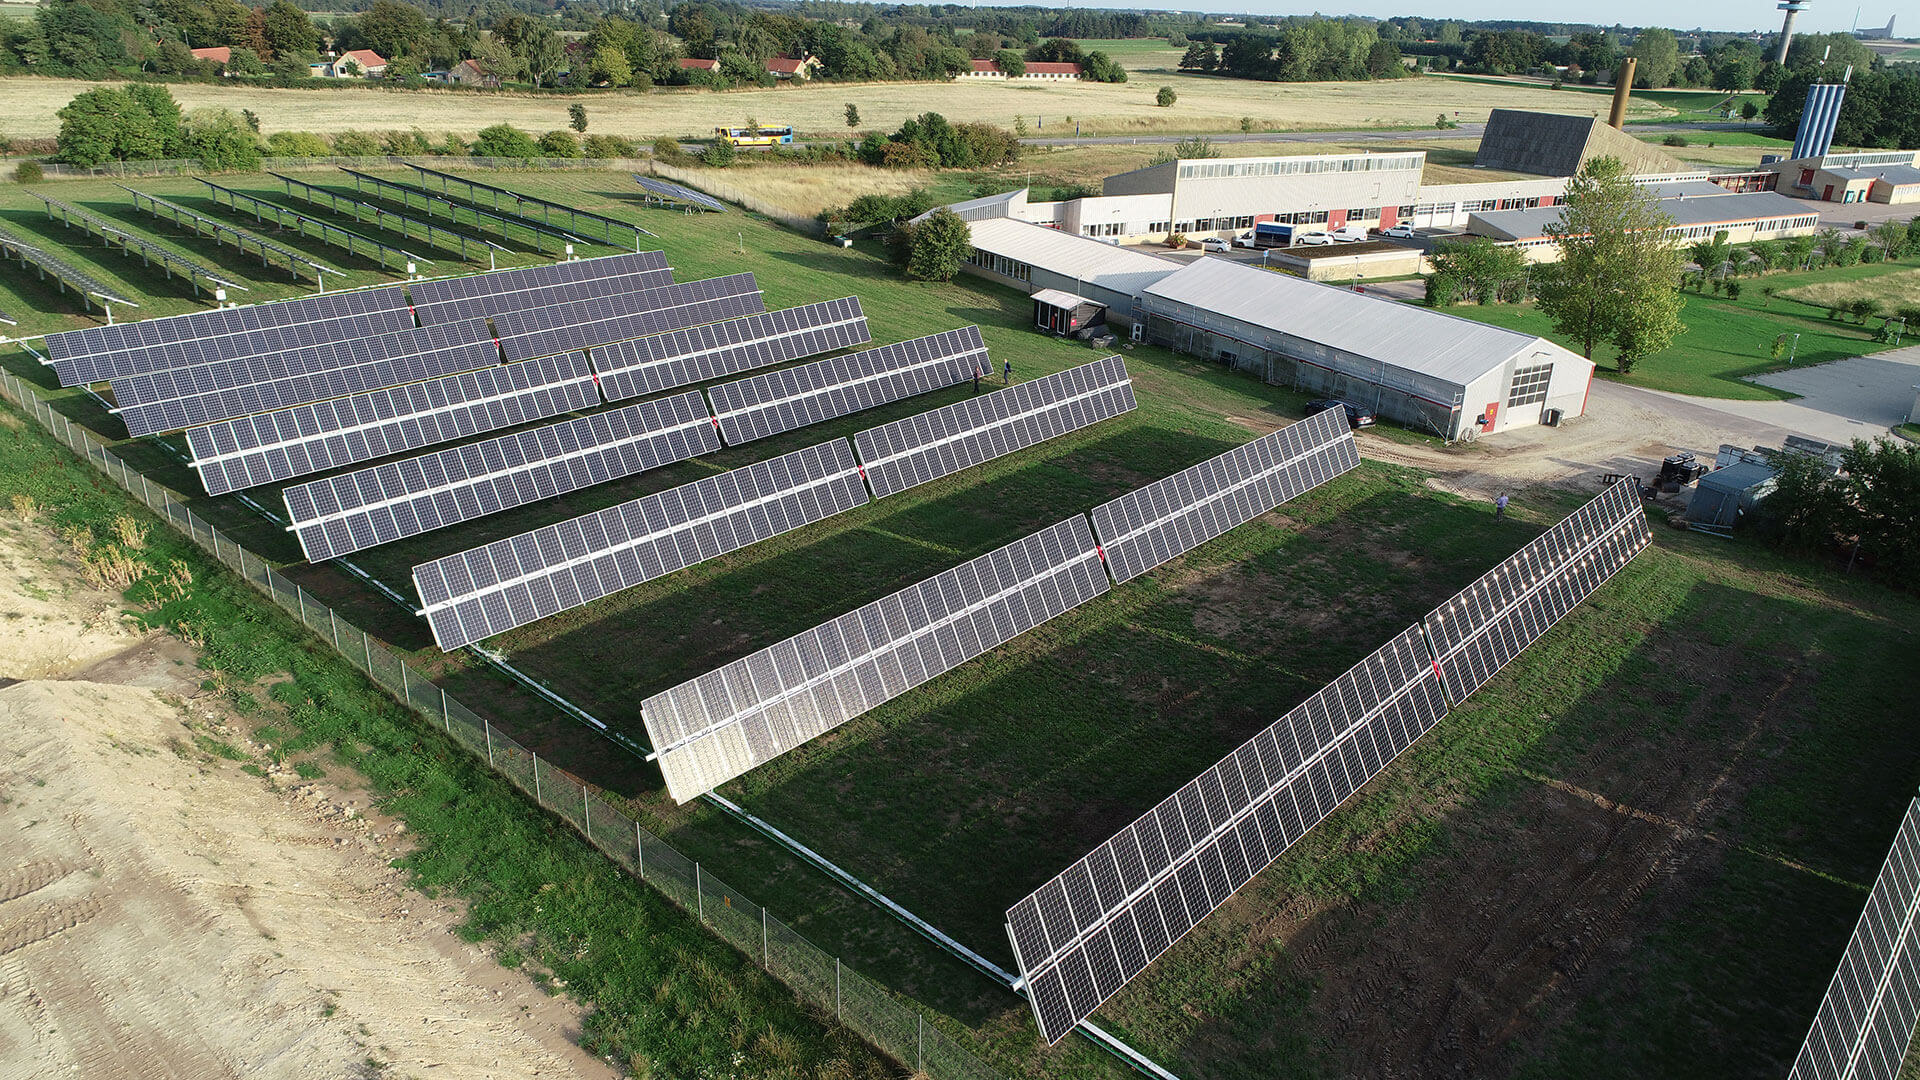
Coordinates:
[559,144]
[356,144]
[28,172]
[1674,140]
[297,144]
[219,140]
[406,143]
[504,141]
[1733,290]
[1166,97]
[607,146]
[1176,241]
[668,149]
[938,246]
[718,155]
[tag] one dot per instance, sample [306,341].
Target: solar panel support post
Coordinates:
[586,812]
[766,957]
[836,988]
[700,902]
[486,725]
[537,796]
[333,625]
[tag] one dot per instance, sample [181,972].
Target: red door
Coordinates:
[1827,195]
[1492,411]
[1335,219]
[1389,215]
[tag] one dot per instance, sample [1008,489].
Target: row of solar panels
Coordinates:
[383,503]
[1084,934]
[490,589]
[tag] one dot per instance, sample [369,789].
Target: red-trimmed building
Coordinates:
[219,54]
[1036,69]
[782,67]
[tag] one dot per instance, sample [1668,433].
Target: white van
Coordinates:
[1349,234]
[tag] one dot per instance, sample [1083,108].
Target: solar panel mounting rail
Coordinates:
[221,231]
[593,226]
[539,236]
[347,240]
[90,290]
[382,218]
[779,401]
[602,320]
[670,192]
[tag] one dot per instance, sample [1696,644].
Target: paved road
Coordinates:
[1464,131]
[1839,401]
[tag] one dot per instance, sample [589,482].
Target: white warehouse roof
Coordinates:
[1440,346]
[1088,261]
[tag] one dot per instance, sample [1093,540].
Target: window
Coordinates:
[1407,211]
[1529,385]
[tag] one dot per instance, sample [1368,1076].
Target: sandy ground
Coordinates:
[163,914]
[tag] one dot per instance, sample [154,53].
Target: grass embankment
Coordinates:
[1727,340]
[665,996]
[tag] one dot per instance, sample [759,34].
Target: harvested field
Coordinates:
[805,189]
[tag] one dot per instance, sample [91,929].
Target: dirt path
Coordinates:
[165,914]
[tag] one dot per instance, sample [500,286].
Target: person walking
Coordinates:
[1500,507]
[976,378]
[1006,373]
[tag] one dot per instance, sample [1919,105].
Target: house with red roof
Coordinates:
[1036,69]
[694,63]
[472,73]
[782,67]
[219,54]
[352,64]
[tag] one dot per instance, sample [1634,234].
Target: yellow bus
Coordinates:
[761,136]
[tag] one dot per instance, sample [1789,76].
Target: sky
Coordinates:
[1729,15]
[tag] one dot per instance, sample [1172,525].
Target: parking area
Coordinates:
[1845,400]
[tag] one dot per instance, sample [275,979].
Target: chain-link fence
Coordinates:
[189,167]
[898,1027]
[739,196]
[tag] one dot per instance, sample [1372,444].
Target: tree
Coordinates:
[1166,97]
[1617,277]
[1658,53]
[392,28]
[140,122]
[1196,146]
[288,30]
[607,65]
[503,141]
[1201,56]
[1735,74]
[577,116]
[938,246]
[1748,110]
[1712,254]
[853,115]
[1012,64]
[1478,270]
[559,144]
[219,140]
[533,43]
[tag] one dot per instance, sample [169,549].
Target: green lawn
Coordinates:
[1725,339]
[959,797]
[1721,138]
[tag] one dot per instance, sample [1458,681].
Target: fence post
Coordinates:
[766,960]
[640,853]
[920,1044]
[537,797]
[367,644]
[299,595]
[699,895]
[333,622]
[586,813]
[484,723]
[836,988]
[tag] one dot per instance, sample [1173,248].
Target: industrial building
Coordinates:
[1428,370]
[1032,258]
[1697,215]
[1552,144]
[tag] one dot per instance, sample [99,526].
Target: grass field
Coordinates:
[1678,797]
[1901,287]
[1727,340]
[1206,104]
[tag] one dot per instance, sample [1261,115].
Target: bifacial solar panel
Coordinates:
[943,441]
[713,728]
[784,400]
[206,393]
[306,439]
[488,590]
[344,514]
[1168,518]
[479,295]
[600,320]
[103,352]
[649,365]
[1489,622]
[1080,937]
[675,193]
[1867,1018]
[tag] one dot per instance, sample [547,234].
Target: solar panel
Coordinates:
[8,319]
[720,725]
[344,514]
[1489,622]
[243,241]
[598,320]
[60,269]
[106,352]
[943,441]
[1145,528]
[489,590]
[477,295]
[650,364]
[170,261]
[206,393]
[1081,936]
[676,193]
[1867,1018]
[784,400]
[266,447]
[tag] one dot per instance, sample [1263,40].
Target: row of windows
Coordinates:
[1221,170]
[1000,264]
[1903,157]
[1477,206]
[1529,385]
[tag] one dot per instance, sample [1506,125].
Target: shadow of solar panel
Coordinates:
[105,352]
[676,193]
[1491,621]
[1168,518]
[344,514]
[943,441]
[206,393]
[479,295]
[1867,1017]
[713,728]
[488,590]
[600,320]
[266,447]
[1081,936]
[649,365]
[784,400]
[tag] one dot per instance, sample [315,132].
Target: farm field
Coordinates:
[1206,104]
[1543,887]
[1727,340]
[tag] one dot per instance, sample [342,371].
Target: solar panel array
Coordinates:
[1080,937]
[676,193]
[477,295]
[344,514]
[784,400]
[599,320]
[1867,1018]
[1491,621]
[940,442]
[8,319]
[221,232]
[508,226]
[206,393]
[70,275]
[713,728]
[106,352]
[347,240]
[650,364]
[1149,526]
[596,226]
[488,590]
[171,262]
[267,447]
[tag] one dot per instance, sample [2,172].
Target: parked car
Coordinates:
[1214,243]
[1349,234]
[1313,239]
[1357,417]
[1245,240]
[1404,231]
